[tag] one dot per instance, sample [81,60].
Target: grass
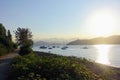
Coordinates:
[45,66]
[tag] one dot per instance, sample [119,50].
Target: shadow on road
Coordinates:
[4,65]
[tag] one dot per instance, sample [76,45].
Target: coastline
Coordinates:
[40,53]
[112,72]
[53,65]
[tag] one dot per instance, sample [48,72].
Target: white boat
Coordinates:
[65,47]
[43,47]
[49,48]
[85,47]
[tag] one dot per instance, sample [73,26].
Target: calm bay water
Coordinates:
[105,54]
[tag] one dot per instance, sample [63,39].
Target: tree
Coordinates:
[9,35]
[6,44]
[2,30]
[24,40]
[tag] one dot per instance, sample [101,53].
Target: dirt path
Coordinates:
[4,64]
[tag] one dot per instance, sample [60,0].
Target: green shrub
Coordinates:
[6,44]
[24,50]
[15,46]
[2,51]
[30,67]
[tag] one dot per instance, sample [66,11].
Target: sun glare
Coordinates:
[103,51]
[101,23]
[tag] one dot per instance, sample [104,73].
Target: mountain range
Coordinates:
[52,41]
[99,40]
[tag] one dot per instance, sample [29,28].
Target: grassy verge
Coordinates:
[46,66]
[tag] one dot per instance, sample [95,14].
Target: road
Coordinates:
[4,64]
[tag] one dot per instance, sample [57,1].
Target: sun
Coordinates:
[101,23]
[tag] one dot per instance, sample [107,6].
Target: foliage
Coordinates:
[9,35]
[25,50]
[23,37]
[2,30]
[6,44]
[2,50]
[15,46]
[54,67]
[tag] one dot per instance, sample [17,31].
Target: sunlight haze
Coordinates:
[62,18]
[102,22]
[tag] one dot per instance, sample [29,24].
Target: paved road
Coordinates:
[4,64]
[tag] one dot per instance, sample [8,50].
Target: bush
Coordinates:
[25,50]
[30,67]
[3,50]
[15,46]
[7,44]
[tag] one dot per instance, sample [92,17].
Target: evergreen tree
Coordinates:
[6,44]
[2,30]
[9,35]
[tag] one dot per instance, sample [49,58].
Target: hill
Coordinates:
[99,40]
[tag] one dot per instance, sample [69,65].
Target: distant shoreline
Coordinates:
[115,39]
[92,44]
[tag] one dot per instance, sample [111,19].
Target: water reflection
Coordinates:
[103,54]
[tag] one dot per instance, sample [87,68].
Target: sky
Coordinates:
[62,18]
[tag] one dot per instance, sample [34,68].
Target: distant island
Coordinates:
[99,40]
